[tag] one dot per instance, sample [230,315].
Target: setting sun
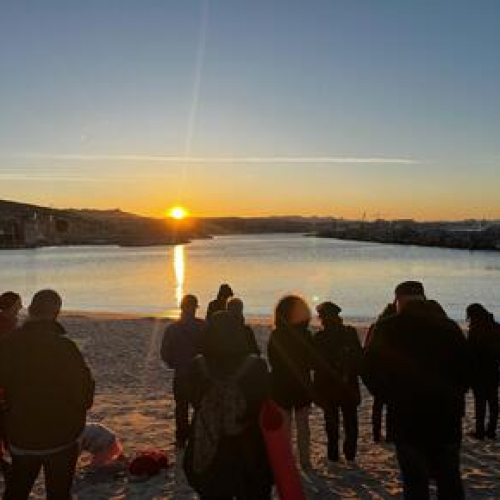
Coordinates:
[178,213]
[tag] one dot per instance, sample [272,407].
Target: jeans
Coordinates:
[377,416]
[59,471]
[420,464]
[483,399]
[303,432]
[350,420]
[182,425]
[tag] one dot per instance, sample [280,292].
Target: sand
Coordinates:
[134,399]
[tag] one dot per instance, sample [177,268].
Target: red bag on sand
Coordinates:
[279,449]
[148,463]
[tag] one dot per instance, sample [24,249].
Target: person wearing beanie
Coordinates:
[220,302]
[484,346]
[336,379]
[417,361]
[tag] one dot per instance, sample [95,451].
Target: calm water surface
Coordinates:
[359,276]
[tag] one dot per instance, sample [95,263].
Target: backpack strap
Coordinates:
[246,365]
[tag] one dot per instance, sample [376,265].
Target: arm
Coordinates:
[80,377]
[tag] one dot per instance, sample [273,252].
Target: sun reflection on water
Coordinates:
[179,272]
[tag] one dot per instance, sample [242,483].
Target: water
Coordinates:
[358,276]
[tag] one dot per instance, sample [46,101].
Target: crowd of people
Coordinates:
[416,362]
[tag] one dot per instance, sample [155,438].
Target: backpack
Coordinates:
[221,414]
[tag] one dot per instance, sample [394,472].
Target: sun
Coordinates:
[178,213]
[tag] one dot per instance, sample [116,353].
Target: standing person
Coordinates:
[48,390]
[418,361]
[291,356]
[484,347]
[10,306]
[336,379]
[226,456]
[378,402]
[219,303]
[235,307]
[183,341]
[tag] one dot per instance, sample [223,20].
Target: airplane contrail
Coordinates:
[220,159]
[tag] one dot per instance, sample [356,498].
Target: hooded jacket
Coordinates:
[484,347]
[48,387]
[418,361]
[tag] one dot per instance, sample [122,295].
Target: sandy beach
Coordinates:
[134,399]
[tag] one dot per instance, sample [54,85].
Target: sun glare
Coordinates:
[178,213]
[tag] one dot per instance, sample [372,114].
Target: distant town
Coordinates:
[30,226]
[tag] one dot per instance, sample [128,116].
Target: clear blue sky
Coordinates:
[253,106]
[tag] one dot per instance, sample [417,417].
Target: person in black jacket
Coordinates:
[226,456]
[48,390]
[378,403]
[418,361]
[291,356]
[182,341]
[235,306]
[484,346]
[336,379]
[220,302]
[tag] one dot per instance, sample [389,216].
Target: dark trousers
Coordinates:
[486,398]
[350,421]
[377,417]
[182,425]
[58,468]
[420,464]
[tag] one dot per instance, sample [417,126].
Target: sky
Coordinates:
[253,107]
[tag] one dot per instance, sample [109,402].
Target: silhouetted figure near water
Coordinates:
[226,457]
[235,307]
[10,306]
[182,341]
[291,356]
[48,390]
[418,360]
[484,346]
[378,403]
[336,379]
[219,303]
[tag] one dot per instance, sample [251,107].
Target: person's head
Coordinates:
[389,310]
[10,304]
[189,304]
[225,338]
[45,305]
[225,292]
[235,306]
[292,310]
[329,314]
[478,314]
[408,291]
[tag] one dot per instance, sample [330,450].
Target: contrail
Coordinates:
[234,160]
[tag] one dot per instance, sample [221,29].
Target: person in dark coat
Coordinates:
[235,306]
[10,306]
[418,360]
[291,357]
[378,403]
[219,303]
[48,389]
[336,379]
[182,341]
[226,456]
[484,347]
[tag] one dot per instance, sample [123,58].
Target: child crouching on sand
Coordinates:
[102,444]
